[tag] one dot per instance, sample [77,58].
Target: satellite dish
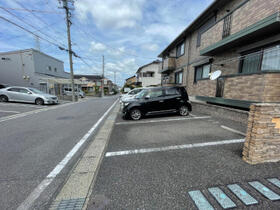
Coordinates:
[215,74]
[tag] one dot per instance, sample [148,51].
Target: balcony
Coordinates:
[264,28]
[169,64]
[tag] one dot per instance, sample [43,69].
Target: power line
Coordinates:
[113,48]
[22,20]
[40,19]
[13,23]
[32,10]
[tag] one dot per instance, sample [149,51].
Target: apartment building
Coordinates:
[239,37]
[149,74]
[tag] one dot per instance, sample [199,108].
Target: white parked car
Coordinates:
[68,92]
[130,94]
[25,94]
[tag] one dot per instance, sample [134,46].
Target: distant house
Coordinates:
[131,81]
[32,68]
[90,83]
[149,74]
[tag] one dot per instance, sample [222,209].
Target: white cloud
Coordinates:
[96,46]
[150,47]
[111,13]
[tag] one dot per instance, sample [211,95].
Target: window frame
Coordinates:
[178,73]
[260,50]
[209,23]
[182,43]
[201,76]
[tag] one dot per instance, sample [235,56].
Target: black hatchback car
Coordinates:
[157,100]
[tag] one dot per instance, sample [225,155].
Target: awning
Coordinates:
[266,27]
[61,81]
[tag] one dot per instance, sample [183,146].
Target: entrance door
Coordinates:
[220,87]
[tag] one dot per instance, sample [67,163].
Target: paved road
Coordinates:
[155,163]
[31,146]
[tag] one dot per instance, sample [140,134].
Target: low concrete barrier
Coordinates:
[220,111]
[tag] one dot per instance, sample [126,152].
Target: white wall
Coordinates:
[148,81]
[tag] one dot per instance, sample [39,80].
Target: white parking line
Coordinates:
[51,176]
[163,120]
[233,130]
[9,111]
[15,116]
[22,105]
[177,147]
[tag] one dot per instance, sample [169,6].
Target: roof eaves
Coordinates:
[189,28]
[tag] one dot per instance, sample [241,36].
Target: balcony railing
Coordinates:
[169,64]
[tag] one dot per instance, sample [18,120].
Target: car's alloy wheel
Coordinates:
[184,111]
[4,99]
[135,114]
[39,101]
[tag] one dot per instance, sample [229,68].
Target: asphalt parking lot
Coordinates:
[173,162]
[13,108]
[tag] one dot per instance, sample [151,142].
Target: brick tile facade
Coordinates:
[257,87]
[262,142]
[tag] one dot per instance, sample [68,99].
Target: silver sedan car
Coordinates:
[25,94]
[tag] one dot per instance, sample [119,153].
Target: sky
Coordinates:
[129,33]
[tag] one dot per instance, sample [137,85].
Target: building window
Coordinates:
[266,59]
[55,69]
[148,74]
[5,59]
[202,72]
[227,26]
[49,68]
[207,25]
[180,49]
[271,59]
[179,77]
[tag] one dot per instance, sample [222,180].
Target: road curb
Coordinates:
[76,191]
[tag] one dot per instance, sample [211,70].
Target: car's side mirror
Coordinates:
[147,97]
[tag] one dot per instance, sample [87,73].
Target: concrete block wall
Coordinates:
[262,142]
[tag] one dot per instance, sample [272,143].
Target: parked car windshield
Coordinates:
[36,91]
[141,94]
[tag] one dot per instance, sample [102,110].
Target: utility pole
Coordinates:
[102,80]
[37,43]
[68,23]
[115,77]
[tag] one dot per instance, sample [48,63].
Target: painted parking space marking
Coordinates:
[265,191]
[176,147]
[233,130]
[47,108]
[245,197]
[4,111]
[200,200]
[275,181]
[163,120]
[28,202]
[222,198]
[22,105]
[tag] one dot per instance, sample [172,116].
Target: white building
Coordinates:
[149,74]
[32,68]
